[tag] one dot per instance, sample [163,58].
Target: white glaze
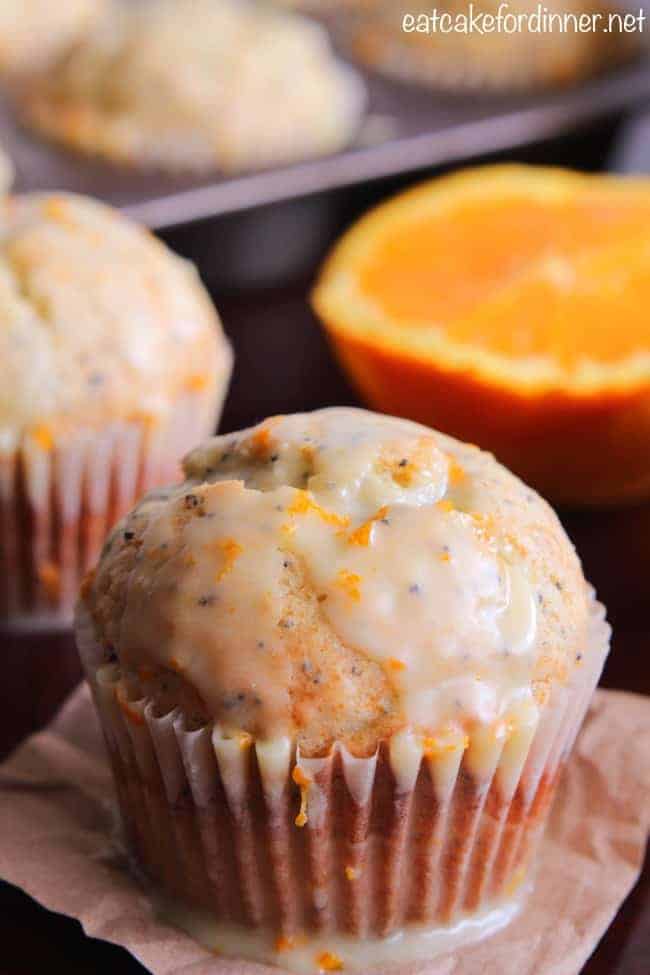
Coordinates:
[410,541]
[413,943]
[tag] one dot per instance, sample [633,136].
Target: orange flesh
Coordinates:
[521,277]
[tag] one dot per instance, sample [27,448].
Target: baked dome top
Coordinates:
[341,575]
[100,321]
[200,84]
[33,32]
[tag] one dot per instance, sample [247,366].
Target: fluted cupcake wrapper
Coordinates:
[59,498]
[255,833]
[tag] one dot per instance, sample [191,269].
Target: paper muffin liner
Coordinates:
[424,832]
[59,498]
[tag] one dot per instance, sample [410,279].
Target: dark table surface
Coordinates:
[283,364]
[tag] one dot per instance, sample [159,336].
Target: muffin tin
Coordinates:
[408,129]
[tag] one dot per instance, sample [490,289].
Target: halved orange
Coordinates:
[510,306]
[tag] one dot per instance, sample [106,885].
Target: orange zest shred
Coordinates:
[300,777]
[260,441]
[132,715]
[361,535]
[197,382]
[304,503]
[231,551]
[434,746]
[303,782]
[456,472]
[284,943]
[402,473]
[42,435]
[50,579]
[328,961]
[301,818]
[56,208]
[350,583]
[396,664]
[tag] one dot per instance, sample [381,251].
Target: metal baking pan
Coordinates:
[418,129]
[423,128]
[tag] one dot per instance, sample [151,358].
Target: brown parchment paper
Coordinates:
[57,824]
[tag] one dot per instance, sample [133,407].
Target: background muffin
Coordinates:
[111,359]
[509,58]
[34,32]
[387,642]
[200,84]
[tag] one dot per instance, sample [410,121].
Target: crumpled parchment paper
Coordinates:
[57,843]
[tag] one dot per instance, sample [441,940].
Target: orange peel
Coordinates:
[507,305]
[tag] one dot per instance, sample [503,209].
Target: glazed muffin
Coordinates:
[199,85]
[507,59]
[339,671]
[34,32]
[112,358]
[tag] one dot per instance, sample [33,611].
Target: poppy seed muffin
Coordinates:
[110,350]
[34,32]
[199,85]
[380,615]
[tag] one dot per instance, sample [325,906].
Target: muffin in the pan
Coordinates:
[339,671]
[34,32]
[200,85]
[401,38]
[112,359]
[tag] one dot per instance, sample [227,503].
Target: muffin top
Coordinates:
[100,321]
[200,84]
[400,39]
[341,575]
[32,32]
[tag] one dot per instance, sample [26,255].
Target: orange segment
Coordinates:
[443,267]
[573,311]
[508,305]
